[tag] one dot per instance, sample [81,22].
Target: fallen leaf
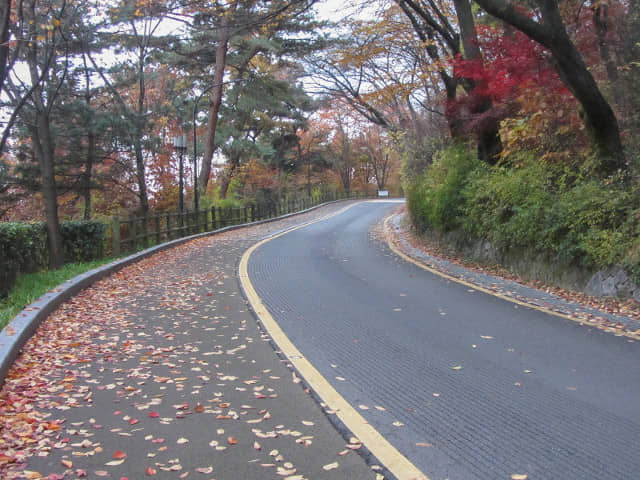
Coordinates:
[114,463]
[519,476]
[204,470]
[331,466]
[398,424]
[67,463]
[457,367]
[151,471]
[182,441]
[232,440]
[118,454]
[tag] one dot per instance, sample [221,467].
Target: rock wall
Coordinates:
[532,265]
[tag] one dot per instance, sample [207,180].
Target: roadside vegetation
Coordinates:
[31,286]
[535,208]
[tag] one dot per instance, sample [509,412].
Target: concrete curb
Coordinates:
[18,331]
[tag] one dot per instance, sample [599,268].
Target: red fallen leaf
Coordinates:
[124,478]
[151,471]
[232,440]
[55,476]
[157,440]
[118,455]
[4,459]
[81,473]
[133,421]
[199,408]
[9,330]
[154,414]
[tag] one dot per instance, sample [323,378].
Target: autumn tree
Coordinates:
[136,33]
[46,30]
[544,23]
[380,156]
[221,23]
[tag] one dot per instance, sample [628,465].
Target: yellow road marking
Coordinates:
[580,320]
[386,453]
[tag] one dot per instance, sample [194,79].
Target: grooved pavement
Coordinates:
[466,385]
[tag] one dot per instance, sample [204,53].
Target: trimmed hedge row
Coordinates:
[23,247]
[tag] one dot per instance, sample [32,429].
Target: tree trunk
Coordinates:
[43,145]
[88,170]
[488,136]
[141,176]
[598,116]
[5,16]
[225,180]
[214,107]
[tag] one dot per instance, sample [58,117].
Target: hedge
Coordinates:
[23,247]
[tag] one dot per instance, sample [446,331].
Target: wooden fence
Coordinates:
[134,233]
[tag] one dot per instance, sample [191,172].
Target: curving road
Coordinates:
[465,385]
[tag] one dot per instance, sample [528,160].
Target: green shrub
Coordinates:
[435,199]
[531,206]
[83,241]
[511,206]
[23,249]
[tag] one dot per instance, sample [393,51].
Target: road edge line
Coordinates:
[396,463]
[389,238]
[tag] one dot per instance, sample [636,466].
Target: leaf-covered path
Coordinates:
[161,371]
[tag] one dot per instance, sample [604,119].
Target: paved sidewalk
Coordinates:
[160,371]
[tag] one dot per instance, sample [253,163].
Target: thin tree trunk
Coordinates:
[141,176]
[86,176]
[214,106]
[225,180]
[489,142]
[43,144]
[91,145]
[5,16]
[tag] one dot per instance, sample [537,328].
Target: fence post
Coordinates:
[115,236]
[133,233]
[157,221]
[145,230]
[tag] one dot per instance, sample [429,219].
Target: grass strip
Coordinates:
[32,286]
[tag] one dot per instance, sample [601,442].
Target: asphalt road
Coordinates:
[465,385]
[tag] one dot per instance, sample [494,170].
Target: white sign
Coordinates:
[383,193]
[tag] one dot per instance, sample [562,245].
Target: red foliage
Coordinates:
[512,65]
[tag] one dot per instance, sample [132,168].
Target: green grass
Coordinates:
[32,286]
